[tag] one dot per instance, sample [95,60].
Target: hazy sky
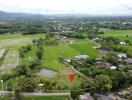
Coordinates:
[121,7]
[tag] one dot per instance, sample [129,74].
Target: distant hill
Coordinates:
[27,16]
[12,16]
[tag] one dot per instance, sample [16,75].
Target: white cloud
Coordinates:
[68,6]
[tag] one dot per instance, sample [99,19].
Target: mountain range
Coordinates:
[12,16]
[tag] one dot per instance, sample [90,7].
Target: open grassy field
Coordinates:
[52,54]
[116,33]
[119,34]
[86,48]
[18,35]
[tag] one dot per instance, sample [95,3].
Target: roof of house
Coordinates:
[86,96]
[113,67]
[107,64]
[122,42]
[129,60]
[130,71]
[104,97]
[81,57]
[120,55]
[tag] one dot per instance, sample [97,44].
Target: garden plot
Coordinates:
[2,51]
[47,73]
[11,60]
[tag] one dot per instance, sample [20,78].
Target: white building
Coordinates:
[123,42]
[113,67]
[86,96]
[122,55]
[81,57]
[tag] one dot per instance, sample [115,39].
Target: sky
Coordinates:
[91,7]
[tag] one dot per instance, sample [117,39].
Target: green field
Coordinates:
[86,48]
[18,35]
[15,41]
[121,35]
[52,54]
[116,33]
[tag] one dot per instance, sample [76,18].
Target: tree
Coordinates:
[39,54]
[25,83]
[22,70]
[119,80]
[103,82]
[75,93]
[89,86]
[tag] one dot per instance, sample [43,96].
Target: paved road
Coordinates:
[46,94]
[38,94]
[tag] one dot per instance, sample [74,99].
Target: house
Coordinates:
[113,67]
[99,63]
[104,97]
[81,57]
[60,37]
[86,96]
[122,55]
[71,42]
[122,42]
[94,39]
[107,64]
[104,51]
[68,60]
[128,61]
[123,93]
[98,59]
[130,71]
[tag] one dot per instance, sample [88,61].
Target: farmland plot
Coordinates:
[19,41]
[11,60]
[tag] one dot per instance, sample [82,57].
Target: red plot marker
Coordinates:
[71,76]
